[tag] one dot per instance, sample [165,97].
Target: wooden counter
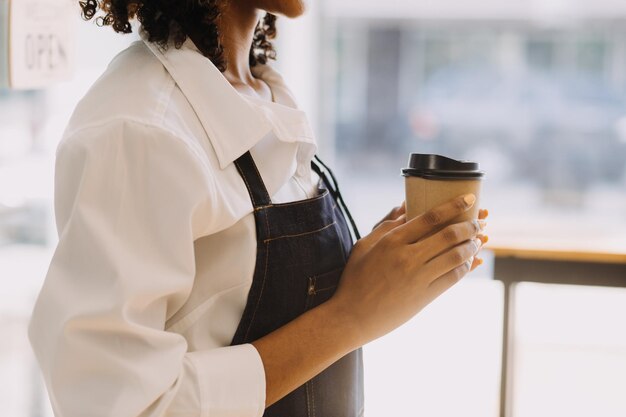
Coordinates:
[557,254]
[574,262]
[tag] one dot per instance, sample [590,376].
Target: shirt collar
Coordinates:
[222,110]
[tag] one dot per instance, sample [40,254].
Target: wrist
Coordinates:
[342,324]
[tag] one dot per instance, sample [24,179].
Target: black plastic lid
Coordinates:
[441,168]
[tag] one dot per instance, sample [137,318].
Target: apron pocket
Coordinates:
[321,287]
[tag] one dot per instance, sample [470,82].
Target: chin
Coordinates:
[287,8]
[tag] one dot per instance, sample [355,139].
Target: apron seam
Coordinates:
[300,234]
[308,398]
[258,301]
[313,396]
[268,231]
[295,203]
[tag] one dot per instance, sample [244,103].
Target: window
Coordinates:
[543,111]
[542,107]
[31,124]
[570,351]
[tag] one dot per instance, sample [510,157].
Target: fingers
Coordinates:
[395,218]
[416,228]
[447,238]
[447,280]
[401,209]
[396,212]
[453,258]
[477,262]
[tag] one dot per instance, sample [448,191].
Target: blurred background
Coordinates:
[535,90]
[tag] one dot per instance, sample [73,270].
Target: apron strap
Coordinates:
[333,188]
[260,197]
[254,183]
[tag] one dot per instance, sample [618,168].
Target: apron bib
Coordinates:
[302,249]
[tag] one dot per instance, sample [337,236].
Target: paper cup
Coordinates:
[431,180]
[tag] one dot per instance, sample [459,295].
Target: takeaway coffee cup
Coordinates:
[431,180]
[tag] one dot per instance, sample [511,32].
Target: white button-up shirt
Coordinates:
[157,242]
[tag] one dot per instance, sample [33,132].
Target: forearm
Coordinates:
[303,348]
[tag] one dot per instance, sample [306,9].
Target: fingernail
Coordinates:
[480,261]
[469,200]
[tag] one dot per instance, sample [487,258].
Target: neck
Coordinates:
[237,26]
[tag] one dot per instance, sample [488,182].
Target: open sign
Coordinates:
[39,46]
[44,52]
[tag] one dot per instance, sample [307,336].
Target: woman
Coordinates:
[204,266]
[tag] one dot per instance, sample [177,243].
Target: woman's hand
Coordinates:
[399,213]
[394,214]
[401,266]
[391,275]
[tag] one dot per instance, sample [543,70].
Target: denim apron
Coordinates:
[302,249]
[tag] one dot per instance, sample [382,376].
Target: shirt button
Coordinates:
[301,171]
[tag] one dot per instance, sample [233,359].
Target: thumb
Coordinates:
[388,225]
[392,215]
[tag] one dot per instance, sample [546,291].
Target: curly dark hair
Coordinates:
[167,20]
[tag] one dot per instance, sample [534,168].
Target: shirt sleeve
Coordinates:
[129,200]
